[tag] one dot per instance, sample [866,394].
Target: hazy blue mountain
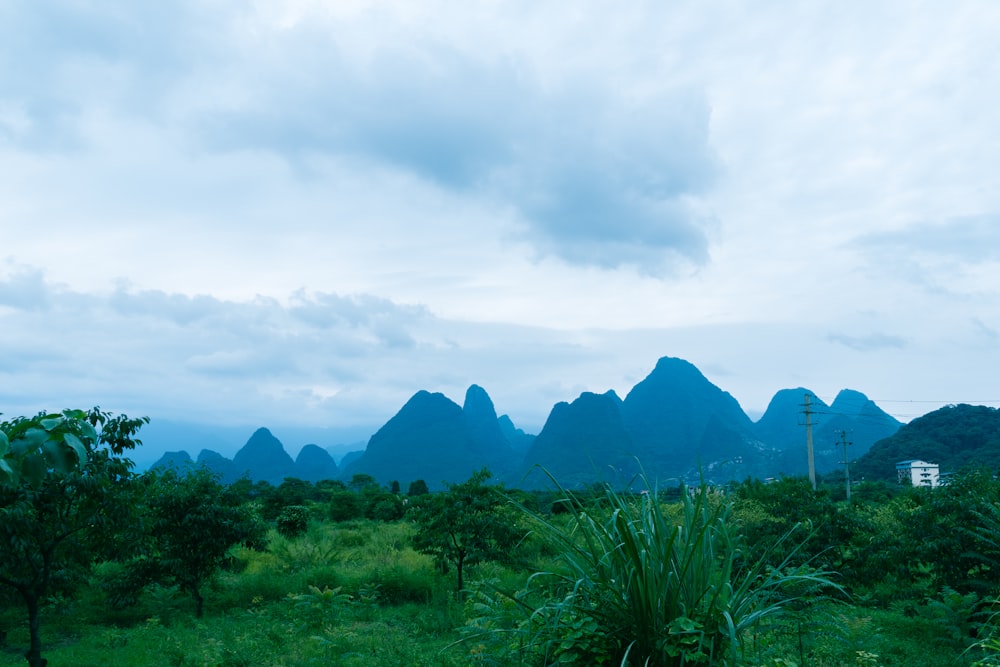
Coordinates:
[434,439]
[315,463]
[162,435]
[852,415]
[179,461]
[218,463]
[582,442]
[518,439]
[954,437]
[264,458]
[489,444]
[350,457]
[674,421]
[427,439]
[679,421]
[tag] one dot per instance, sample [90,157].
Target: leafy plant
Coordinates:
[467,524]
[637,589]
[293,521]
[63,502]
[193,522]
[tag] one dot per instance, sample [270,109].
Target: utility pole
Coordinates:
[807,411]
[847,464]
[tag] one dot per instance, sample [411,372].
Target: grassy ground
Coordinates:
[357,594]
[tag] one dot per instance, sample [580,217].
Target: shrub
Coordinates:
[636,589]
[293,521]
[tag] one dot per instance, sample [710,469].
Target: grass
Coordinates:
[634,587]
[358,594]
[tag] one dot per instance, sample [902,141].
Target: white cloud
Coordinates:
[310,210]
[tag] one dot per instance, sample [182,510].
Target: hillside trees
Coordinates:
[466,524]
[63,502]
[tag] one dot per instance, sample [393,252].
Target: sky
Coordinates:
[303,212]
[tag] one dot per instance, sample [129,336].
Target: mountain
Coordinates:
[679,421]
[179,461]
[954,437]
[433,439]
[219,464]
[264,458]
[675,422]
[518,439]
[852,415]
[489,444]
[582,442]
[314,463]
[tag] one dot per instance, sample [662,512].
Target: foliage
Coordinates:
[293,521]
[345,506]
[63,502]
[467,524]
[193,522]
[637,589]
[418,487]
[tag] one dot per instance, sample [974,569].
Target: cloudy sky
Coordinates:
[302,212]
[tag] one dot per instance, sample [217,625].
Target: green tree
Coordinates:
[417,487]
[63,502]
[345,506]
[467,524]
[193,521]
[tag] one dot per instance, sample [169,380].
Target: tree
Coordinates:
[63,501]
[467,524]
[193,521]
[418,487]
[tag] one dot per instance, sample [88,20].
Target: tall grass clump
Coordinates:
[632,587]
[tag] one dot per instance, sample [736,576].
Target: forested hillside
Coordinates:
[954,437]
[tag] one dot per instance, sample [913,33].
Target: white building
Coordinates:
[920,473]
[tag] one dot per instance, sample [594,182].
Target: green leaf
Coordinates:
[52,422]
[4,444]
[77,446]
[7,473]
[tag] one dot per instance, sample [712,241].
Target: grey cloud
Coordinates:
[179,308]
[24,290]
[60,61]
[974,239]
[590,188]
[868,343]
[146,350]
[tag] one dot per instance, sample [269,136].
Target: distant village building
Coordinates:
[920,473]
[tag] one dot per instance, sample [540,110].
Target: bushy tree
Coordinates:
[293,521]
[418,487]
[193,521]
[467,524]
[63,501]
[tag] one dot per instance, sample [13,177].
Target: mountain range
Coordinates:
[674,424]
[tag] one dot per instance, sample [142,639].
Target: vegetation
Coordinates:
[63,503]
[637,588]
[192,522]
[467,524]
[180,570]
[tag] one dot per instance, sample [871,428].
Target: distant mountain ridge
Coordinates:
[674,424]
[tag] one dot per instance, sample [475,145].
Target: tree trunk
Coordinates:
[199,602]
[458,566]
[34,654]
